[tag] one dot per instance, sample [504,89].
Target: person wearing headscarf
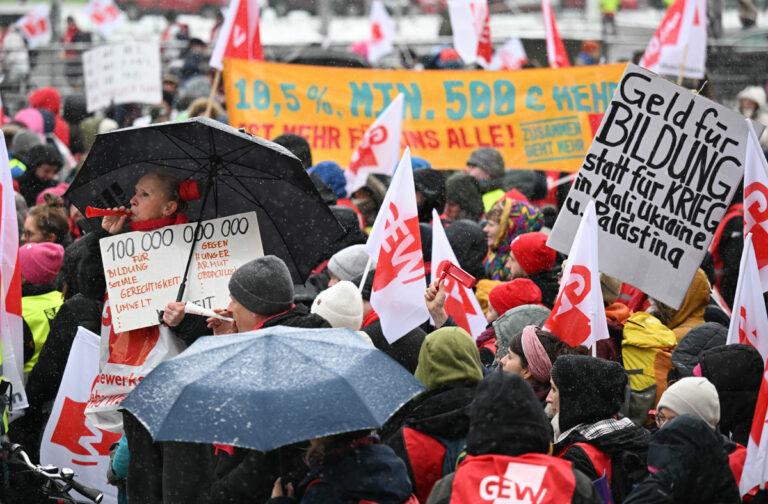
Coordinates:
[507,220]
[507,448]
[586,396]
[435,427]
[691,311]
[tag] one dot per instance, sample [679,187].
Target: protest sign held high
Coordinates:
[144,269]
[537,118]
[662,171]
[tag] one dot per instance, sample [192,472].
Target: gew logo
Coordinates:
[521,484]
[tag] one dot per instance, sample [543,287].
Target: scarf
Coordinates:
[516,218]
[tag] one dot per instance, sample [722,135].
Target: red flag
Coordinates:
[395,246]
[556,54]
[240,36]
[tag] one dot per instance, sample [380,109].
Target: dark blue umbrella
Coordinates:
[271,388]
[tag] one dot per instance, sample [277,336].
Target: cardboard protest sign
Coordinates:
[537,118]
[144,269]
[662,171]
[122,73]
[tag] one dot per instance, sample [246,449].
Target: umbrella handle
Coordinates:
[195,237]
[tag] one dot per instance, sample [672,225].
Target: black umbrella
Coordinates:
[235,172]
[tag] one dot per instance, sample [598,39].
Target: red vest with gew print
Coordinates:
[529,479]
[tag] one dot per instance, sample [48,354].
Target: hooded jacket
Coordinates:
[512,323]
[469,244]
[736,371]
[688,351]
[508,425]
[691,311]
[49,99]
[463,190]
[688,464]
[405,350]
[447,355]
[431,184]
[757,95]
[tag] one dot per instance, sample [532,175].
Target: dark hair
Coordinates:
[551,343]
[44,154]
[335,447]
[298,146]
[51,219]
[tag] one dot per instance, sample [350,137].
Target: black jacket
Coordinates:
[372,473]
[691,467]
[686,355]
[405,350]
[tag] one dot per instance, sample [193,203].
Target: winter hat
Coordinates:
[333,176]
[687,353]
[349,263]
[506,418]
[107,125]
[693,396]
[23,141]
[418,163]
[591,389]
[611,288]
[512,323]
[341,305]
[518,292]
[31,118]
[531,252]
[469,244]
[463,189]
[489,160]
[57,190]
[448,355]
[47,98]
[40,262]
[263,286]
[431,185]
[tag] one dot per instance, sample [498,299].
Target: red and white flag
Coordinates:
[510,56]
[70,440]
[11,323]
[578,317]
[35,25]
[394,245]
[756,203]
[556,55]
[379,149]
[460,303]
[105,16]
[239,36]
[749,321]
[755,473]
[471,28]
[382,41]
[679,46]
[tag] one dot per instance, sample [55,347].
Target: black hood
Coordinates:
[547,283]
[690,455]
[736,371]
[444,411]
[632,439]
[431,185]
[591,389]
[470,245]
[689,349]
[506,418]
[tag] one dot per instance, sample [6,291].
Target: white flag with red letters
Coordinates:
[578,317]
[556,55]
[679,46]
[35,25]
[379,149]
[756,203]
[471,28]
[239,36]
[749,321]
[382,41]
[70,440]
[395,246]
[105,16]
[11,323]
[460,303]
[510,56]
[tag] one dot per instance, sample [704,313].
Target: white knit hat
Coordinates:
[341,305]
[693,396]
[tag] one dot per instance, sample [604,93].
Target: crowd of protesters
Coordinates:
[661,414]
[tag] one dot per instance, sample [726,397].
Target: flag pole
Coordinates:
[365,274]
[212,94]
[681,70]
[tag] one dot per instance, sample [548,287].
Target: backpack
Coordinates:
[646,351]
[434,458]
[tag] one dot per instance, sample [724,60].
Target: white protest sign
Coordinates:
[70,439]
[122,73]
[144,269]
[662,171]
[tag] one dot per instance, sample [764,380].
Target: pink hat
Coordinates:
[32,119]
[40,262]
[57,190]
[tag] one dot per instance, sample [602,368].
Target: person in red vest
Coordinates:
[507,448]
[586,396]
[436,423]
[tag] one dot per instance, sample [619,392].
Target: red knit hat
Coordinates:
[518,292]
[531,252]
[40,262]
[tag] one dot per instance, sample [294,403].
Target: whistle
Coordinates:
[104,212]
